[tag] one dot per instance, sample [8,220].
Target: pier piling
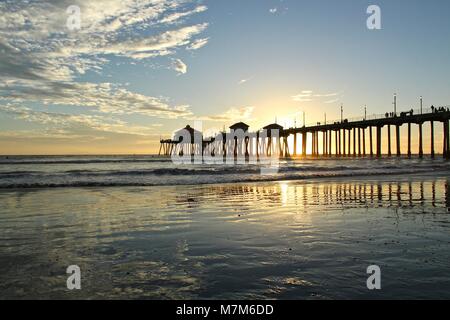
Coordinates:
[446,151]
[295,144]
[420,141]
[389,141]
[330,139]
[359,142]
[409,139]
[378,141]
[343,141]
[432,139]
[364,141]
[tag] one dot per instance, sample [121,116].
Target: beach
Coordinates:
[310,237]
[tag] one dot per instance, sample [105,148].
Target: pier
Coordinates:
[343,138]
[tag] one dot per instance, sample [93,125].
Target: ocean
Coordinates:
[97,171]
[141,227]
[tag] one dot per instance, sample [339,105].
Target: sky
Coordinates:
[134,71]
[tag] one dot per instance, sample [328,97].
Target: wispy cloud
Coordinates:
[331,101]
[232,114]
[304,96]
[175,17]
[309,96]
[279,9]
[179,66]
[242,81]
[197,44]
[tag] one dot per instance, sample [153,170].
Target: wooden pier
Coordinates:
[349,137]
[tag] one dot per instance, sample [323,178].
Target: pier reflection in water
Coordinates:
[403,194]
[309,239]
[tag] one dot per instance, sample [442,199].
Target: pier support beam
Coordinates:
[324,143]
[446,151]
[316,150]
[304,143]
[295,144]
[389,141]
[354,142]
[349,142]
[420,141]
[339,142]
[432,139]
[343,141]
[397,136]
[359,142]
[364,141]
[371,141]
[286,147]
[280,147]
[317,144]
[448,139]
[336,143]
[314,143]
[409,139]
[379,142]
[257,145]
[330,144]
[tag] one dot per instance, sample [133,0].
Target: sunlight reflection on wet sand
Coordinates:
[310,239]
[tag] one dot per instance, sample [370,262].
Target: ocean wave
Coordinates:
[235,179]
[81,161]
[209,170]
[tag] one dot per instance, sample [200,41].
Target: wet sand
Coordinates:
[264,240]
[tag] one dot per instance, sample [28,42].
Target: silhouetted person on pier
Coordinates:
[432,109]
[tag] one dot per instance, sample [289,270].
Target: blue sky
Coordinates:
[138,70]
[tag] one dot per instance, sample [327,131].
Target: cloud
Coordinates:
[242,81]
[332,101]
[171,18]
[326,95]
[179,66]
[309,96]
[41,60]
[68,123]
[197,44]
[304,96]
[278,10]
[104,97]
[232,114]
[140,48]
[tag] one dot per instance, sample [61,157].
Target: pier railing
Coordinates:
[378,116]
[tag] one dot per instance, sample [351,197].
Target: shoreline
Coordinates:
[402,177]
